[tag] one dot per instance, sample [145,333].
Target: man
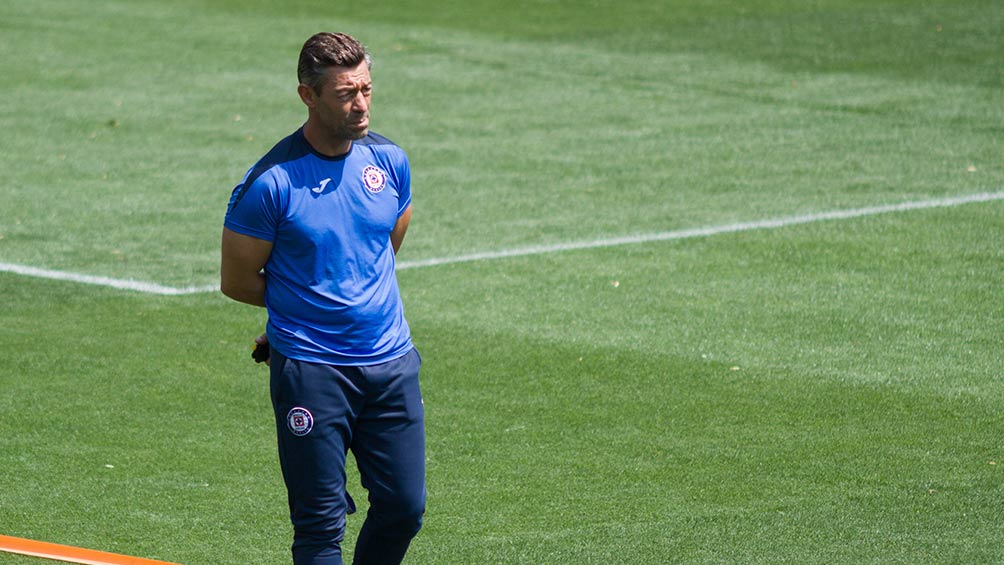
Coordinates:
[311,233]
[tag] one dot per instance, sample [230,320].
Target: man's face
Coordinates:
[343,105]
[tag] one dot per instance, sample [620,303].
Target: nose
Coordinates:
[361,102]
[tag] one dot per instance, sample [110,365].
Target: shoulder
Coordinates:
[270,170]
[383,150]
[375,139]
[292,148]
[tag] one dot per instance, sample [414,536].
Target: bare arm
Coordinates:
[243,258]
[400,228]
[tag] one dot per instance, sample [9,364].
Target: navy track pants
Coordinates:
[321,412]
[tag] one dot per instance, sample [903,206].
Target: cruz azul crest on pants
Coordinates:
[300,421]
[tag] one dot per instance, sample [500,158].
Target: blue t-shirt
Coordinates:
[330,287]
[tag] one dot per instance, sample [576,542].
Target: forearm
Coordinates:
[401,228]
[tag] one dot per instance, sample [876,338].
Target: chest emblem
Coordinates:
[374,178]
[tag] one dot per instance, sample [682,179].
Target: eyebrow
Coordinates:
[354,87]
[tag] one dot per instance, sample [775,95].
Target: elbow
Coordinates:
[230,289]
[247,292]
[226,289]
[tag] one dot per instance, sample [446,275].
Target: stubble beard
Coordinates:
[346,133]
[352,134]
[339,131]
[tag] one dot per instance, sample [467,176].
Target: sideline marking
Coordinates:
[708,231]
[70,554]
[122,284]
[154,288]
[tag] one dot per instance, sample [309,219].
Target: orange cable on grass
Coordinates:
[71,554]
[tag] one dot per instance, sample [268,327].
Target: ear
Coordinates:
[307,95]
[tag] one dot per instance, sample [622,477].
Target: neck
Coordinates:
[325,144]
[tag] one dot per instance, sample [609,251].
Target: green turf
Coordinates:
[822,393]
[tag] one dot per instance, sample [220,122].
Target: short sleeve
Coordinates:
[256,208]
[404,182]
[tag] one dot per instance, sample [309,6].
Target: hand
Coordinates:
[261,350]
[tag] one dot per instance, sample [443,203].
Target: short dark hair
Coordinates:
[325,50]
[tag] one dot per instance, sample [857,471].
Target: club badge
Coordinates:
[374,178]
[300,421]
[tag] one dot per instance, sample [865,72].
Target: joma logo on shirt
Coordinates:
[320,189]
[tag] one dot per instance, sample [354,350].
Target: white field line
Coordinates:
[707,231]
[121,284]
[154,288]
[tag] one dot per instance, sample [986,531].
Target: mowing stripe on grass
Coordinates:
[154,288]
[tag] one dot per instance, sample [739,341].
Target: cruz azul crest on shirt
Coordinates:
[374,178]
[300,421]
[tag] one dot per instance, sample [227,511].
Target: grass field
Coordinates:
[820,392]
